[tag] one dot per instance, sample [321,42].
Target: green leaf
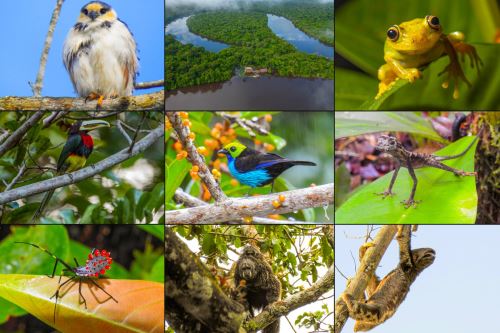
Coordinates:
[176,172]
[158,271]
[356,123]
[139,307]
[156,230]
[445,198]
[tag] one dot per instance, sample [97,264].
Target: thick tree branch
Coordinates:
[365,271]
[190,201]
[233,209]
[37,87]
[295,301]
[146,102]
[19,133]
[194,302]
[84,173]
[195,157]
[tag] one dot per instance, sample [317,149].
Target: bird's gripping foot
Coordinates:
[95,96]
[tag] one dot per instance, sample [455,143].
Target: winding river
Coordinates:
[247,93]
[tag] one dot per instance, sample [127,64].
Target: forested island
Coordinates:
[251,42]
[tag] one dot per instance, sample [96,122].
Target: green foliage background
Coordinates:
[44,145]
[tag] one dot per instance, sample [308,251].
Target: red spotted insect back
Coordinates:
[98,263]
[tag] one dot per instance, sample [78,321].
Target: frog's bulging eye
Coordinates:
[433,22]
[393,33]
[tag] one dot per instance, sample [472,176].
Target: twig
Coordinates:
[195,157]
[37,87]
[190,201]
[234,209]
[247,125]
[92,115]
[4,135]
[150,84]
[14,181]
[122,131]
[19,133]
[295,301]
[365,271]
[146,102]
[137,132]
[87,172]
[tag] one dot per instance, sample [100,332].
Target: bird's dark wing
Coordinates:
[255,160]
[74,141]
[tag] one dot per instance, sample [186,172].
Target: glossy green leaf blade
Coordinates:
[445,198]
[356,123]
[176,171]
[139,309]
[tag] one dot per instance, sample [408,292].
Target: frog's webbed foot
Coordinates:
[454,70]
[468,50]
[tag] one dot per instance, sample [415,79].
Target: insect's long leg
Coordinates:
[56,294]
[98,286]
[76,262]
[80,292]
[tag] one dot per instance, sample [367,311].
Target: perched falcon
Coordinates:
[100,54]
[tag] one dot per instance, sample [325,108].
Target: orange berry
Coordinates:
[186,123]
[195,168]
[168,125]
[248,219]
[274,216]
[230,132]
[202,150]
[216,173]
[257,142]
[224,140]
[177,146]
[184,115]
[215,133]
[217,164]
[268,118]
[181,155]
[281,198]
[219,126]
[234,182]
[191,136]
[269,147]
[194,175]
[276,204]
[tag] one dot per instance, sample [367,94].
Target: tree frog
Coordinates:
[418,42]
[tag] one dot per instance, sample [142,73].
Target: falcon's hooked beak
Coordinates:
[89,125]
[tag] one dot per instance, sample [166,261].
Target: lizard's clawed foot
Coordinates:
[410,202]
[385,194]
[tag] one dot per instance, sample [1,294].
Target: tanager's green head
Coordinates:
[233,149]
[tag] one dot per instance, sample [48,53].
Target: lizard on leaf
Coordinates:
[411,160]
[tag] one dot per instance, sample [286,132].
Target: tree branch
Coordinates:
[194,302]
[146,102]
[295,301]
[195,157]
[233,209]
[19,133]
[37,87]
[84,173]
[365,271]
[150,84]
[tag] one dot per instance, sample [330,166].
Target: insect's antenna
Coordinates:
[50,254]
[76,262]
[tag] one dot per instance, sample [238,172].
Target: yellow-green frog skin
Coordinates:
[418,42]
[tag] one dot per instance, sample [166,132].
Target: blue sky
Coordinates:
[458,293]
[24,25]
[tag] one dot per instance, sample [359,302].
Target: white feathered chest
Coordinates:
[101,58]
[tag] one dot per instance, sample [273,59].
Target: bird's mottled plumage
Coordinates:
[100,53]
[253,168]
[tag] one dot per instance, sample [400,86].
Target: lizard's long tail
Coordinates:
[444,158]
